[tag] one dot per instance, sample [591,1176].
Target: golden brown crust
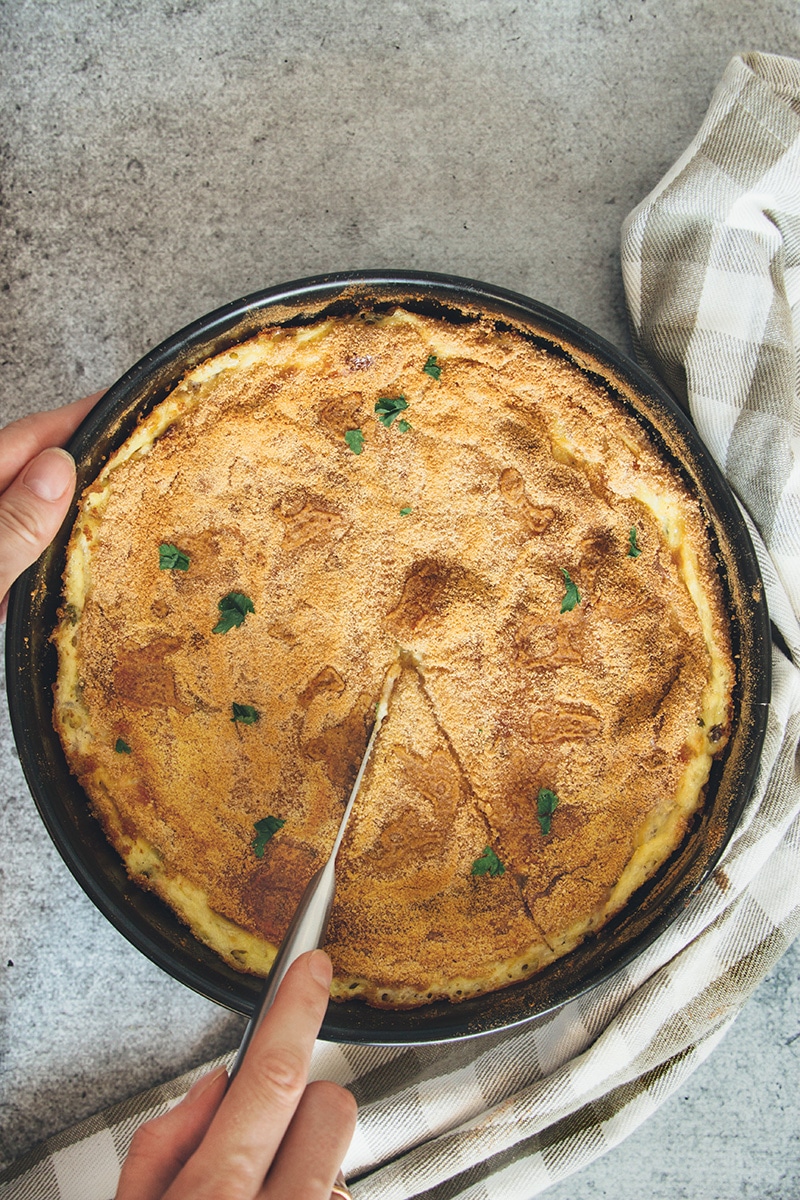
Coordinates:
[517,468]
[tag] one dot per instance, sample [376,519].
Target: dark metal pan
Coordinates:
[140,916]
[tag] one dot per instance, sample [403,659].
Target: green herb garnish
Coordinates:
[265,828]
[170,558]
[403,426]
[571,596]
[431,368]
[234,608]
[355,440]
[122,747]
[488,864]
[546,803]
[245,714]
[405,512]
[633,549]
[388,408]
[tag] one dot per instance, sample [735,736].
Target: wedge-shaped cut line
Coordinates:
[406,896]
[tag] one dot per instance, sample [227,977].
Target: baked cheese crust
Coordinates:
[384,488]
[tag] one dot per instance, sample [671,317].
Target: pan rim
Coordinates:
[115,896]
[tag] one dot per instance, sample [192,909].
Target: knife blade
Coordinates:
[310,920]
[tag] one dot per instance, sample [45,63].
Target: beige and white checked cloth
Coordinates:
[711,262]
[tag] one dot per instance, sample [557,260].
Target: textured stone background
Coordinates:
[159,159]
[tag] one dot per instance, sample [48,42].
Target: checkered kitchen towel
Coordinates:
[711,261]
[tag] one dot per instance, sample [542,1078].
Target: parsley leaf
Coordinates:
[234,608]
[388,407]
[431,368]
[633,549]
[405,512]
[546,803]
[170,558]
[403,426]
[264,831]
[122,747]
[355,440]
[488,864]
[571,596]
[245,713]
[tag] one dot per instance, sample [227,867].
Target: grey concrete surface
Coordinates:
[160,158]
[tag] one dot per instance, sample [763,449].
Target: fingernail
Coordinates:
[50,474]
[202,1084]
[320,967]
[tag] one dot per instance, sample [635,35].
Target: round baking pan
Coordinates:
[31,661]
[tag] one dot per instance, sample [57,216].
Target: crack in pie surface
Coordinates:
[449,539]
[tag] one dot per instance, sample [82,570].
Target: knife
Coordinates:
[310,921]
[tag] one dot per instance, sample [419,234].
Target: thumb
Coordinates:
[31,511]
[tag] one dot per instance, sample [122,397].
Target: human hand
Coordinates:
[271,1135]
[37,482]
